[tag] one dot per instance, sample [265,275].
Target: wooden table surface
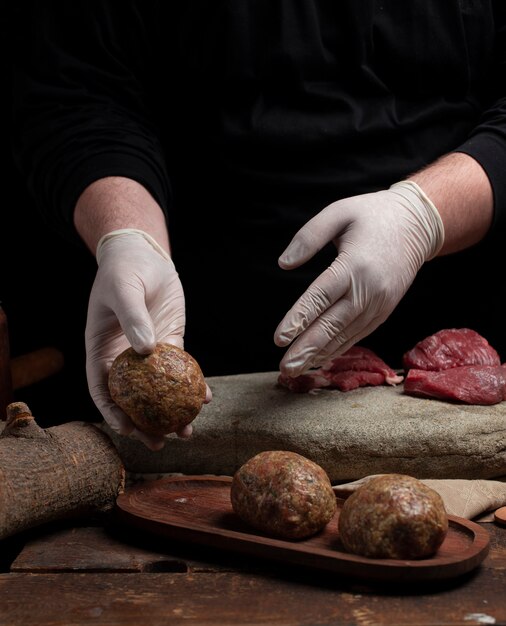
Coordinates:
[94,572]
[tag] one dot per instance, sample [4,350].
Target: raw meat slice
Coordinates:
[360,359]
[451,347]
[472,384]
[350,379]
[304,382]
[357,367]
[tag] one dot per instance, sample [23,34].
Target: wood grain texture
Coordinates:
[500,516]
[30,368]
[197,509]
[90,549]
[232,598]
[496,558]
[256,591]
[54,473]
[111,549]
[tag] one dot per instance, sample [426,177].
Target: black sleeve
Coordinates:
[487,142]
[81,110]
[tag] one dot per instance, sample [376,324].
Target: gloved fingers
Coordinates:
[168,311]
[332,325]
[169,316]
[152,442]
[336,347]
[120,423]
[323,292]
[135,320]
[185,432]
[331,335]
[209,394]
[312,237]
[157,443]
[166,306]
[103,343]
[112,414]
[174,340]
[97,373]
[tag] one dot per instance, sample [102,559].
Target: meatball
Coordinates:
[393,516]
[161,392]
[283,494]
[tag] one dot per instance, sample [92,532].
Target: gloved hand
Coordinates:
[137,299]
[382,240]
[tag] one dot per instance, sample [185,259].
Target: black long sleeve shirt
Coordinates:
[250,116]
[297,98]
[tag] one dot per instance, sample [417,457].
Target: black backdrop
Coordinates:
[45,281]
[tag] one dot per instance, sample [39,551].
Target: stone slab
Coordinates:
[371,430]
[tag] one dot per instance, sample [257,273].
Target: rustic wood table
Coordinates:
[96,572]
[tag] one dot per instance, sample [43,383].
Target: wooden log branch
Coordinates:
[54,473]
[32,367]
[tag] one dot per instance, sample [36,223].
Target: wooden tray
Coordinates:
[197,509]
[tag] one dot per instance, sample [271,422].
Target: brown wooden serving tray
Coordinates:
[198,509]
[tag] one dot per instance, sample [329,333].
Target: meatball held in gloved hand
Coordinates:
[160,392]
[136,301]
[382,240]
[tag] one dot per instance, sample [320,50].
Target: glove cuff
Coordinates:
[126,232]
[432,219]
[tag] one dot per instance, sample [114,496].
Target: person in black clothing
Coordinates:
[246,130]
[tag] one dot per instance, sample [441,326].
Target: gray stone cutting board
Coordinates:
[370,430]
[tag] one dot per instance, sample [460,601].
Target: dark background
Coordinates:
[45,282]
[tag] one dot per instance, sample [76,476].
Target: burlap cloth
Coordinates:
[471,499]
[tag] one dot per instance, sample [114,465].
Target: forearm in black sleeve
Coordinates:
[80,108]
[487,142]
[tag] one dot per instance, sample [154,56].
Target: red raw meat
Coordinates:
[472,384]
[350,379]
[455,364]
[360,359]
[451,347]
[305,382]
[357,367]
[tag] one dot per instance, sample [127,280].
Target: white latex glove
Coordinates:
[136,300]
[382,240]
